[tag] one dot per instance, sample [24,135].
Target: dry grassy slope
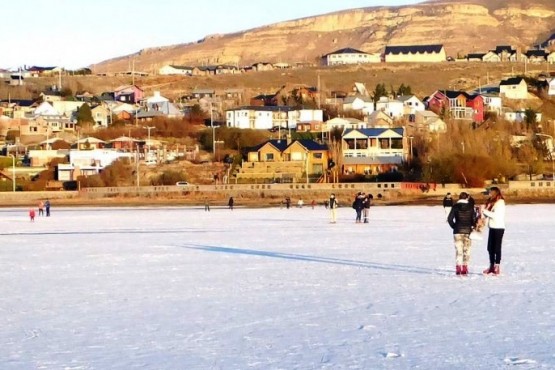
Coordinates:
[423,79]
[461,25]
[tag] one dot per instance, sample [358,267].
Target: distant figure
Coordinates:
[333,208]
[206,205]
[41,208]
[47,207]
[230,203]
[358,206]
[32,214]
[287,202]
[447,203]
[300,203]
[326,204]
[313,203]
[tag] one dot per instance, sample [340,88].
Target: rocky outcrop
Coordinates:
[463,26]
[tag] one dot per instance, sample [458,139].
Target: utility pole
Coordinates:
[13,172]
[148,140]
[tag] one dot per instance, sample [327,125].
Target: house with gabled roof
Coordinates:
[411,104]
[350,56]
[364,104]
[504,52]
[428,121]
[283,160]
[513,88]
[536,56]
[374,150]
[392,107]
[457,105]
[415,54]
[128,94]
[380,119]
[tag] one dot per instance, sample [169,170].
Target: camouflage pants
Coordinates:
[462,248]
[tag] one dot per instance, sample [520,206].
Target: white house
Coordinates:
[67,108]
[45,109]
[101,116]
[176,70]
[392,107]
[411,104]
[158,103]
[350,56]
[514,88]
[551,57]
[358,103]
[520,116]
[88,162]
[493,103]
[344,123]
[265,118]
[551,87]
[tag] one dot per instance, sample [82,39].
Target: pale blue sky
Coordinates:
[75,33]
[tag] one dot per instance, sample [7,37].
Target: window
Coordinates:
[269,156]
[317,155]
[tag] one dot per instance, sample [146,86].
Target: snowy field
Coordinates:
[180,288]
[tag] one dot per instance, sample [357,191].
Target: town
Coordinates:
[63,139]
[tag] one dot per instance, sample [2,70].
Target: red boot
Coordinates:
[489,270]
[496,270]
[464,270]
[458,270]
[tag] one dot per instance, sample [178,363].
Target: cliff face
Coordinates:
[463,26]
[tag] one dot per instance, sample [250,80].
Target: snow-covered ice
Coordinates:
[180,288]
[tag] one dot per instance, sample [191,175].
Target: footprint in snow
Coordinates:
[518,361]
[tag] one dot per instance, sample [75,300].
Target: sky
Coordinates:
[75,34]
[262,289]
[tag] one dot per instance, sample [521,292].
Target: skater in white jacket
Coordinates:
[494,211]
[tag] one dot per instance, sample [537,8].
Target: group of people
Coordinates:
[42,208]
[361,205]
[465,218]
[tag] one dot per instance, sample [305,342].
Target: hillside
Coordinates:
[463,26]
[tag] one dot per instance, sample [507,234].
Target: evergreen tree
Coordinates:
[84,114]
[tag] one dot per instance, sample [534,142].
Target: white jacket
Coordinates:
[496,217]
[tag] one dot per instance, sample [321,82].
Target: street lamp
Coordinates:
[148,140]
[551,155]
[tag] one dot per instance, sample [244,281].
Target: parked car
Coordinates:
[182,183]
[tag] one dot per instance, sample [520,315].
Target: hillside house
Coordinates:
[411,104]
[350,56]
[160,104]
[428,121]
[344,123]
[493,103]
[101,116]
[415,54]
[88,162]
[520,116]
[265,118]
[373,151]
[505,52]
[175,70]
[513,88]
[262,66]
[536,56]
[392,107]
[129,94]
[457,105]
[380,119]
[359,103]
[285,161]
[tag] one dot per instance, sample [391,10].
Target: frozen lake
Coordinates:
[178,288]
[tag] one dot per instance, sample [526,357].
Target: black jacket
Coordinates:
[447,202]
[462,217]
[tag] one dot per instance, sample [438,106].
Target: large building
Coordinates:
[350,56]
[415,54]
[265,118]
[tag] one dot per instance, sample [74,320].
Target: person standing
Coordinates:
[494,211]
[333,208]
[32,214]
[206,205]
[366,209]
[41,208]
[47,208]
[230,203]
[358,205]
[461,218]
[447,203]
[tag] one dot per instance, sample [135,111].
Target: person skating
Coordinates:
[230,203]
[206,205]
[47,208]
[333,208]
[32,214]
[462,218]
[494,211]
[41,208]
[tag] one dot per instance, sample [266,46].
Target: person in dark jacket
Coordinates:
[358,206]
[230,203]
[447,203]
[462,219]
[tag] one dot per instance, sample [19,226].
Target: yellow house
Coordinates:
[298,159]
